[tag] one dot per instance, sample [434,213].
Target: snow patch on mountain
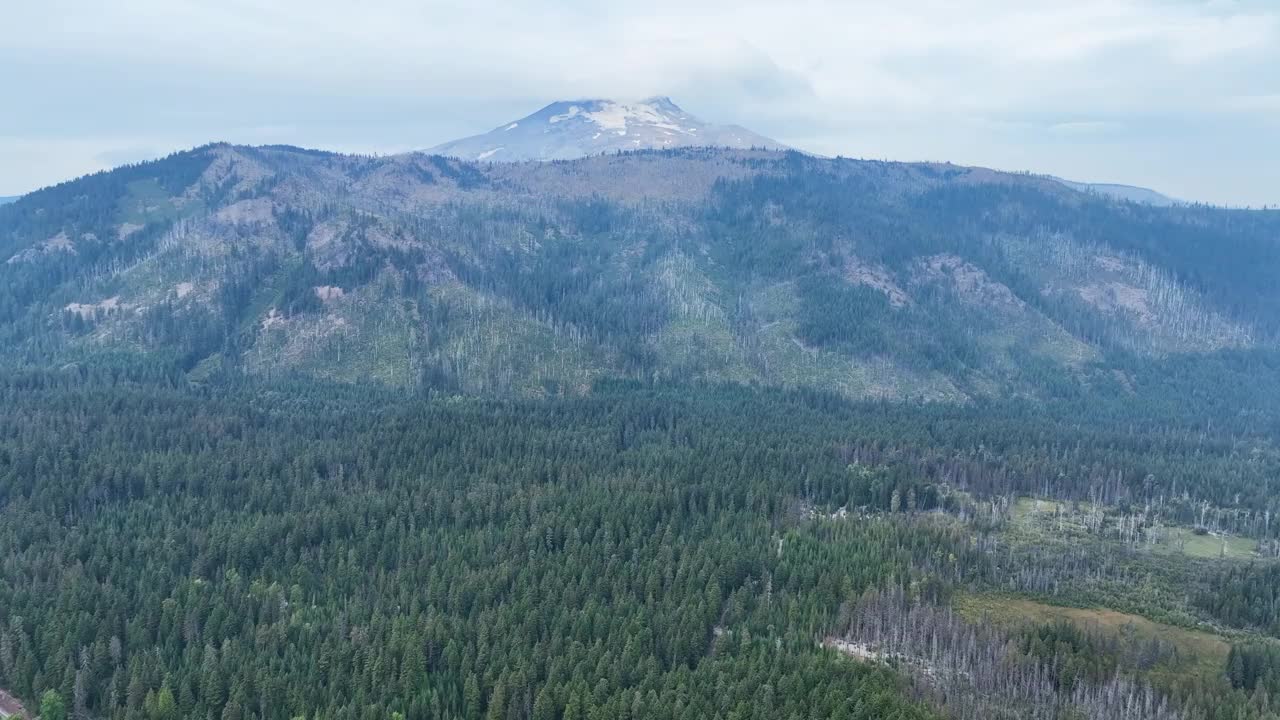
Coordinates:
[567,130]
[612,115]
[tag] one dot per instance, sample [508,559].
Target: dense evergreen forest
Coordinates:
[646,551]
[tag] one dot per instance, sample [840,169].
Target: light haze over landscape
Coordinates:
[745,360]
[1167,94]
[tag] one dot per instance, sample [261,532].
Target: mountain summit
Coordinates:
[573,129]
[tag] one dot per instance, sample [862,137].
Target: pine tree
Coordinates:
[52,706]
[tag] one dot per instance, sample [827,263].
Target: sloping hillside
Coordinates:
[869,279]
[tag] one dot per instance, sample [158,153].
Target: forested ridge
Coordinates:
[867,279]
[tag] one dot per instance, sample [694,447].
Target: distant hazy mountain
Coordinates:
[568,130]
[6,200]
[1131,193]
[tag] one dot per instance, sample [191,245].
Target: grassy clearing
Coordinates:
[1211,546]
[1035,517]
[1025,508]
[1041,516]
[1201,654]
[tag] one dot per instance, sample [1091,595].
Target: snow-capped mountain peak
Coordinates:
[571,129]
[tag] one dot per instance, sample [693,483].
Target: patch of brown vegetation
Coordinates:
[247,212]
[89,310]
[303,336]
[272,318]
[875,277]
[229,166]
[329,293]
[333,243]
[1118,297]
[1110,263]
[127,229]
[57,243]
[436,271]
[324,245]
[968,280]
[10,707]
[382,237]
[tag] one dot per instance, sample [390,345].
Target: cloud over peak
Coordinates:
[1177,94]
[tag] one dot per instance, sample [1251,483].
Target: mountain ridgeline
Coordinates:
[865,279]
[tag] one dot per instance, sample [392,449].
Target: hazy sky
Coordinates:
[1179,95]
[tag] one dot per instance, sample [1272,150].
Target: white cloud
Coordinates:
[972,81]
[1268,104]
[1085,127]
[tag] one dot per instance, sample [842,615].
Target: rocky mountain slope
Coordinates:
[868,279]
[568,130]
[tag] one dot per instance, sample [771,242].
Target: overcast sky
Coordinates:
[1179,95]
